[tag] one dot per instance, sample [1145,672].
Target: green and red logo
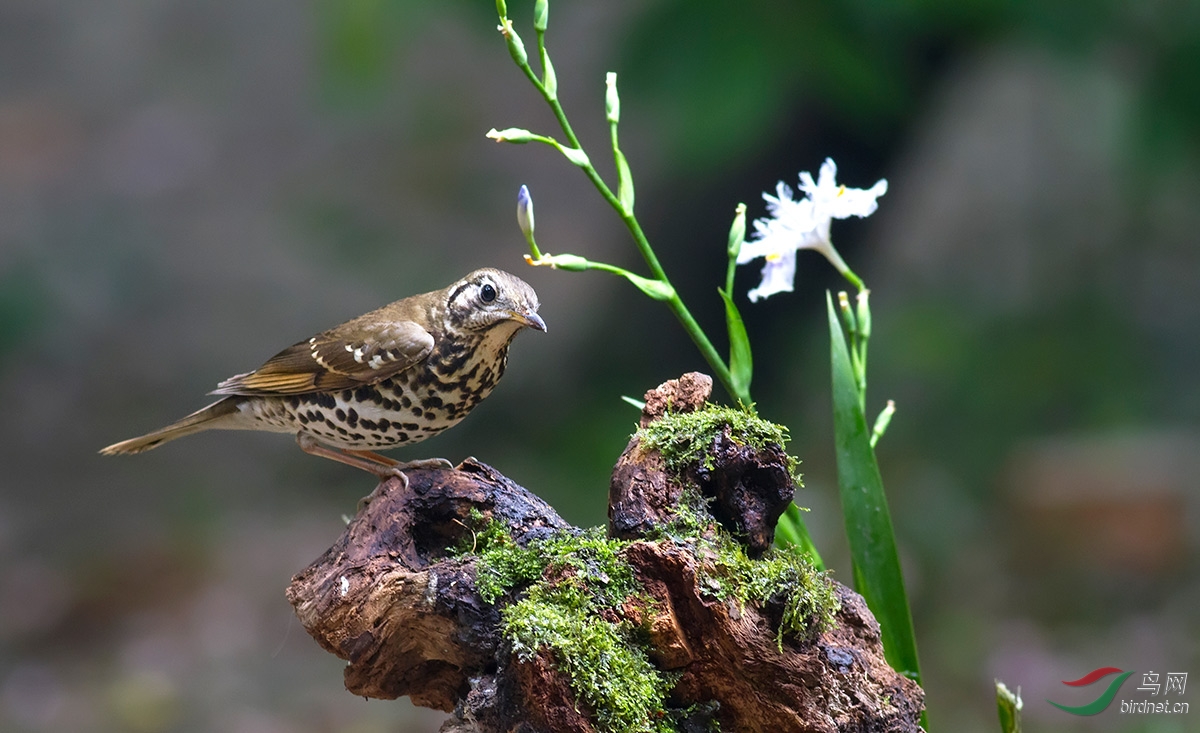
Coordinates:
[1100,703]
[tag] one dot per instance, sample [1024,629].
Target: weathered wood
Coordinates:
[392,600]
[389,599]
[837,682]
[748,489]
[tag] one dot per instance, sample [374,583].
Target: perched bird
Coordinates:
[392,377]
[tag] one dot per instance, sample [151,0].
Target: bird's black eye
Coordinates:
[487,293]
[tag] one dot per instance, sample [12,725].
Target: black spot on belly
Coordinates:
[410,426]
[369,425]
[384,424]
[352,417]
[293,402]
[347,395]
[416,411]
[422,378]
[340,414]
[402,437]
[326,400]
[431,402]
[366,393]
[303,419]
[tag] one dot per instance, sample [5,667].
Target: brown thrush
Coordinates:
[392,377]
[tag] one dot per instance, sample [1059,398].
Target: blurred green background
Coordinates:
[186,187]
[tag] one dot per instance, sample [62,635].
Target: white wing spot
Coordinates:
[375,362]
[349,347]
[345,585]
[358,355]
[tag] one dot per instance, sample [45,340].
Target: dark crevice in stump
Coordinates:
[392,599]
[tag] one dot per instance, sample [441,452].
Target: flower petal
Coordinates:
[777,276]
[856,201]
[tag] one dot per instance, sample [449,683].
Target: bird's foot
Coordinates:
[384,474]
[426,464]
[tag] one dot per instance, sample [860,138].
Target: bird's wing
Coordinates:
[342,358]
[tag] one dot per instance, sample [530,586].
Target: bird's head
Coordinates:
[489,297]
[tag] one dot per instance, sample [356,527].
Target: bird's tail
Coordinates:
[205,418]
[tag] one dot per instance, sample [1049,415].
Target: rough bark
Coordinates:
[391,599]
[747,489]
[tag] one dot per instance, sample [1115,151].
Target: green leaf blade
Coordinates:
[877,574]
[741,361]
[656,289]
[792,532]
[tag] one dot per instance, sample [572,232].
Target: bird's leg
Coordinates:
[425,464]
[420,464]
[375,464]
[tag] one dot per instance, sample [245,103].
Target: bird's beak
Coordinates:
[531,319]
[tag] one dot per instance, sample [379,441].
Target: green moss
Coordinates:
[570,579]
[684,438]
[608,669]
[782,578]
[570,587]
[588,559]
[503,564]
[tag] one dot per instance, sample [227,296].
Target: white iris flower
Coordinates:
[794,225]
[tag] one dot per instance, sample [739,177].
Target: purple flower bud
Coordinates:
[525,212]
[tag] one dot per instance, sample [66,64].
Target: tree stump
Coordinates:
[397,597]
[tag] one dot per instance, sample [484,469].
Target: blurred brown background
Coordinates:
[186,187]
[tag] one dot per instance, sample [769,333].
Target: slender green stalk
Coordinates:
[735,374]
[676,304]
[875,560]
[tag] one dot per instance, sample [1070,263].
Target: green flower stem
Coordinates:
[791,528]
[843,268]
[682,314]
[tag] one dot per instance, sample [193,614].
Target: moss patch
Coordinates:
[684,438]
[570,586]
[570,580]
[608,669]
[782,578]
[587,559]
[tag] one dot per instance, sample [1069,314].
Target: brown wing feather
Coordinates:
[359,352]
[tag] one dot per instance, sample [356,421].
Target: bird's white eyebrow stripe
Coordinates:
[459,289]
